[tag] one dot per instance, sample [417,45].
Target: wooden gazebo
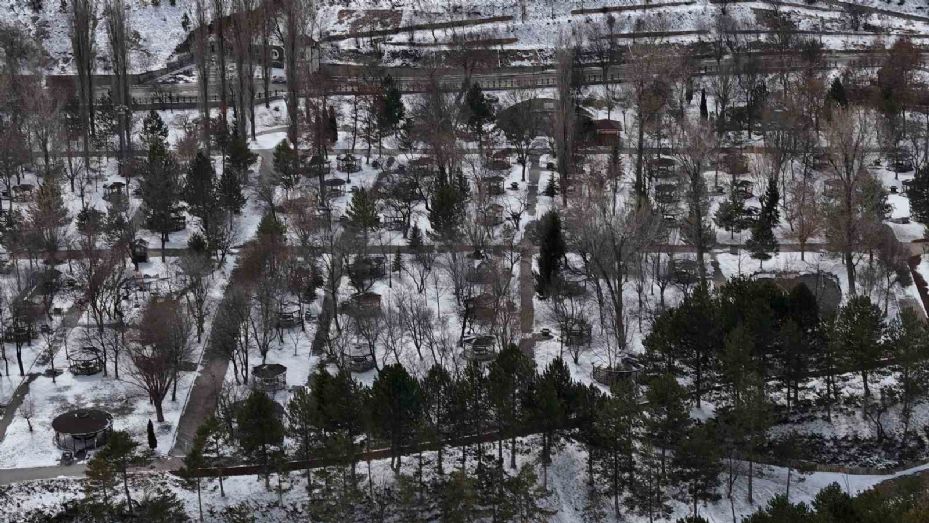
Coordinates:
[269,377]
[82,429]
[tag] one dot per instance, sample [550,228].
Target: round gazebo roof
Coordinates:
[268,370]
[82,421]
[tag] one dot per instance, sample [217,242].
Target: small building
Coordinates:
[480,348]
[661,167]
[348,163]
[139,251]
[364,303]
[318,166]
[23,192]
[85,361]
[606,132]
[113,189]
[491,185]
[81,430]
[289,317]
[335,186]
[269,377]
[576,332]
[628,368]
[423,166]
[491,216]
[360,360]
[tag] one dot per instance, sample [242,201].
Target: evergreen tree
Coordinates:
[857,330]
[730,215]
[667,416]
[415,241]
[697,466]
[551,407]
[200,189]
[458,499]
[906,339]
[397,264]
[397,408]
[259,429]
[48,216]
[287,165]
[438,407]
[510,380]
[763,242]
[704,114]
[150,431]
[161,192]
[391,111]
[239,158]
[446,212]
[193,462]
[552,250]
[479,112]
[154,135]
[101,479]
[362,212]
[616,426]
[837,93]
[121,451]
[918,194]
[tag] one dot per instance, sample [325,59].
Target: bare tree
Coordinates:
[203,60]
[848,210]
[564,124]
[297,17]
[118,31]
[83,28]
[803,212]
[696,146]
[161,344]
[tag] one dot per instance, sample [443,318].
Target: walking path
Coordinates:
[68,322]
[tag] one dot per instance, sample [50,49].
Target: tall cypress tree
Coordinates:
[763,244]
[200,189]
[552,251]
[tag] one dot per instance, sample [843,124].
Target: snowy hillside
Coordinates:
[401,25]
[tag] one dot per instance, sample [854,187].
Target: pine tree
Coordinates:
[837,93]
[704,114]
[730,215]
[193,462]
[763,244]
[48,216]
[396,404]
[101,478]
[161,191]
[200,188]
[668,417]
[259,429]
[150,431]
[552,251]
[397,265]
[616,424]
[446,212]
[154,135]
[362,212]
[415,241]
[239,158]
[510,380]
[121,452]
[229,192]
[479,112]
[857,330]
[697,465]
[287,165]
[391,111]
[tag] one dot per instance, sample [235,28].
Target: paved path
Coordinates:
[68,322]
